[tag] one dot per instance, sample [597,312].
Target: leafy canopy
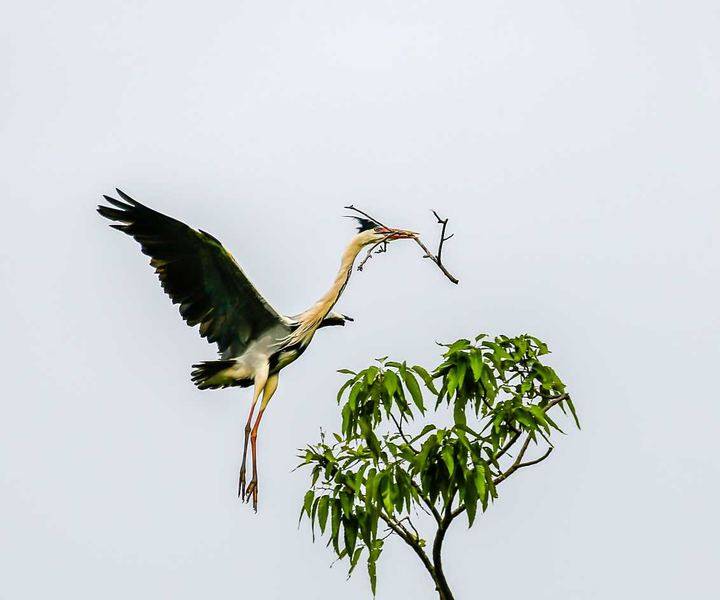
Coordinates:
[370,480]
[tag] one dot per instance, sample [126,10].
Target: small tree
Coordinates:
[372,480]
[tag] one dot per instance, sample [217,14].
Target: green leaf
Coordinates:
[458,345]
[371,373]
[347,419]
[346,501]
[448,459]
[346,372]
[390,383]
[552,423]
[414,389]
[461,369]
[350,527]
[476,364]
[370,437]
[386,490]
[481,485]
[452,383]
[497,421]
[375,552]
[427,447]
[359,478]
[322,513]
[425,430]
[459,413]
[342,389]
[471,499]
[571,406]
[542,347]
[373,486]
[355,392]
[539,415]
[426,377]
[525,419]
[307,502]
[354,561]
[336,515]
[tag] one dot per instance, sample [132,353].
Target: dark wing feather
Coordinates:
[198,273]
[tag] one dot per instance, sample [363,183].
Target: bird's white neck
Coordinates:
[327,301]
[311,318]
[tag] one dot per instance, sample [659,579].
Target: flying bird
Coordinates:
[255,342]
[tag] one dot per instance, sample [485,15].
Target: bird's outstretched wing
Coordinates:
[199,274]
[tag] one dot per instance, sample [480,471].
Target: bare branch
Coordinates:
[398,426]
[366,215]
[369,254]
[436,258]
[554,401]
[457,512]
[414,543]
[416,533]
[507,446]
[518,464]
[537,460]
[427,502]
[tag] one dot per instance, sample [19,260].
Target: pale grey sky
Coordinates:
[573,144]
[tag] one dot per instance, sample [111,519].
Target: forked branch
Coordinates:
[436,258]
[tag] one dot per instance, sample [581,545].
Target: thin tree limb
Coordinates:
[443,587]
[518,464]
[427,502]
[507,446]
[406,536]
[398,426]
[364,214]
[369,254]
[436,258]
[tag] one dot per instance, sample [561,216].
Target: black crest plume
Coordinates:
[364,224]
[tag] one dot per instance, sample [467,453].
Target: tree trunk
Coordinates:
[442,585]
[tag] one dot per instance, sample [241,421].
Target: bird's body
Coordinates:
[282,342]
[254,340]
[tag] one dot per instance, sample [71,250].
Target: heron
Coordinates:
[255,342]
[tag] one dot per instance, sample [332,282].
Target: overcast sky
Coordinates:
[574,146]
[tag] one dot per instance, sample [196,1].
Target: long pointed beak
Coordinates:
[401,234]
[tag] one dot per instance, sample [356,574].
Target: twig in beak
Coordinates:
[369,254]
[436,258]
[364,214]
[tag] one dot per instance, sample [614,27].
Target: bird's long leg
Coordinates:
[252,489]
[260,381]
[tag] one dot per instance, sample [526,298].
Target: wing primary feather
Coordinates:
[198,273]
[117,203]
[113,213]
[127,198]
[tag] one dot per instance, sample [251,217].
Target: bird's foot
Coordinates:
[241,484]
[252,492]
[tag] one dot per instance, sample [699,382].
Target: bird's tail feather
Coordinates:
[215,374]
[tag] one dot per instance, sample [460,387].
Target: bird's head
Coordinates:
[370,232]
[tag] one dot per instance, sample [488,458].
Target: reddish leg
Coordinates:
[252,488]
[260,382]
[241,484]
